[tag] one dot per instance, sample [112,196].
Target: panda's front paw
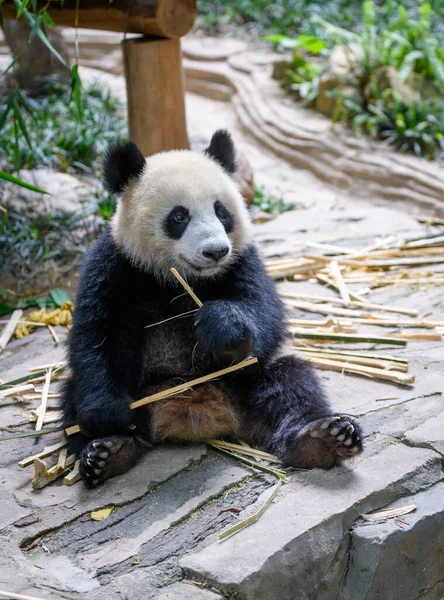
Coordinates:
[222,332]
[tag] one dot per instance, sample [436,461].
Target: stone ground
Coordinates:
[311,543]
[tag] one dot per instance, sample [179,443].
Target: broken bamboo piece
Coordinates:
[369,362]
[244,450]
[9,329]
[74,476]
[26,462]
[355,369]
[18,390]
[44,476]
[347,337]
[360,304]
[340,284]
[41,410]
[253,517]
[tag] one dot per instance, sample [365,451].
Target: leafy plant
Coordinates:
[54,136]
[270,204]
[291,17]
[391,37]
[47,244]
[417,128]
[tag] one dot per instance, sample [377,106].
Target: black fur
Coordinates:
[176,222]
[114,358]
[222,150]
[122,162]
[224,216]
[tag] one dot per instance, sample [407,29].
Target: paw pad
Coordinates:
[343,433]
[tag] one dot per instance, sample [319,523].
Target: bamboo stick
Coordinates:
[56,365]
[187,287]
[393,376]
[55,375]
[26,462]
[9,329]
[347,337]
[351,295]
[13,436]
[329,247]
[54,335]
[13,596]
[368,362]
[74,476]
[244,450]
[44,476]
[42,408]
[359,304]
[430,220]
[185,386]
[251,518]
[18,390]
[250,463]
[401,262]
[325,309]
[416,337]
[352,354]
[335,272]
[179,388]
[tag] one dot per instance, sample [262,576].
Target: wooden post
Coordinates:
[165,18]
[155,89]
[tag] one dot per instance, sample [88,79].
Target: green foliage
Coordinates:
[417,128]
[47,244]
[388,36]
[290,17]
[59,133]
[106,205]
[303,77]
[270,204]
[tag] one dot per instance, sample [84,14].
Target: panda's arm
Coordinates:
[104,346]
[244,312]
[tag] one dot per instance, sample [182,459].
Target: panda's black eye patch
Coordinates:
[224,216]
[176,222]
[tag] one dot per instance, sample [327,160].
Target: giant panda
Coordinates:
[182,209]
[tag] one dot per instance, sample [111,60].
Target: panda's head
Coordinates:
[178,209]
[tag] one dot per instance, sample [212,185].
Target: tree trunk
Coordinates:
[37,66]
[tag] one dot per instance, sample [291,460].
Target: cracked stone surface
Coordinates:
[311,542]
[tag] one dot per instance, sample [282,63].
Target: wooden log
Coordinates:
[163,18]
[156,102]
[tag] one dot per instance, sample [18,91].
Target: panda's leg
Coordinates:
[286,413]
[109,456]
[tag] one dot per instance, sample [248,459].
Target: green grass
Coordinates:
[389,39]
[46,245]
[290,17]
[270,204]
[56,136]
[61,137]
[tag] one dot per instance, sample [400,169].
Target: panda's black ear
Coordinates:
[222,150]
[122,162]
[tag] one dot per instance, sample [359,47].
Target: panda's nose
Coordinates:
[216,254]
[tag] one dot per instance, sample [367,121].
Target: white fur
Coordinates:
[188,179]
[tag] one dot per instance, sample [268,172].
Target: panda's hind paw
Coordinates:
[324,443]
[341,433]
[109,456]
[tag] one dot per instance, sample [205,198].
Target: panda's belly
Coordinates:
[168,352]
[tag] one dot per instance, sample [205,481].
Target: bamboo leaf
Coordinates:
[59,297]
[21,183]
